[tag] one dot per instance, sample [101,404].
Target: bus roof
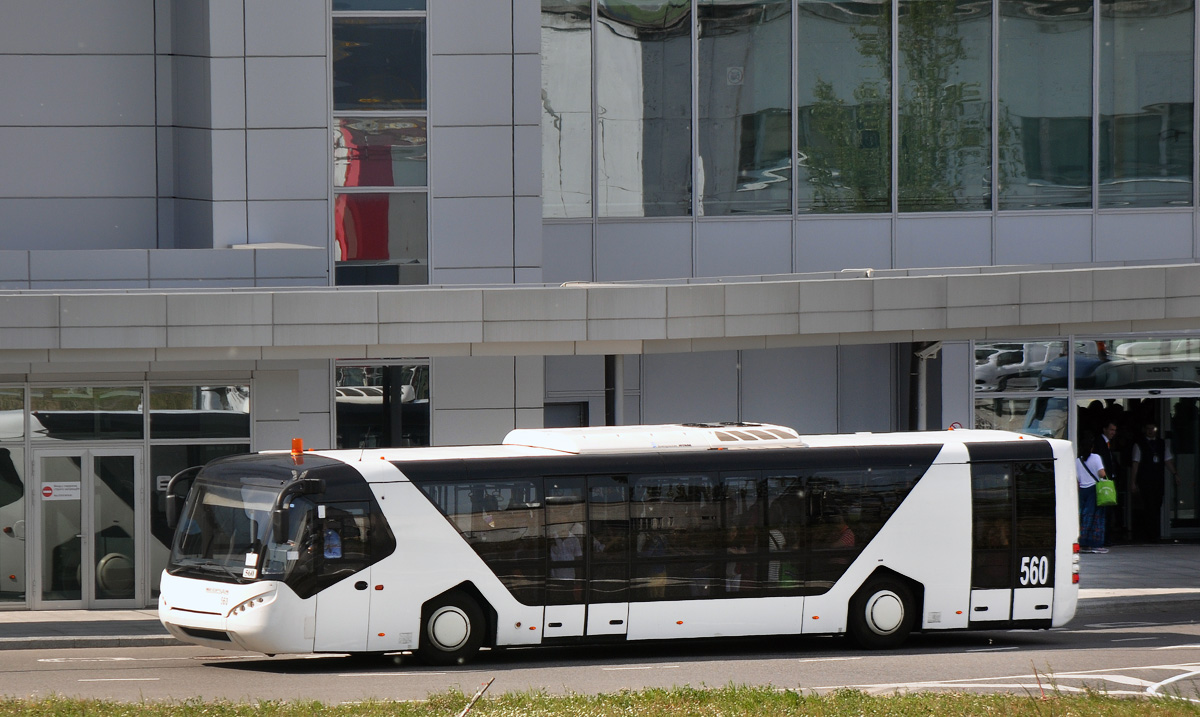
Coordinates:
[529,443]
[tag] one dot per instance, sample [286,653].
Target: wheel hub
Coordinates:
[449,628]
[885,612]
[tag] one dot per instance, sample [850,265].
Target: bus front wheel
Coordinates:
[882,614]
[451,630]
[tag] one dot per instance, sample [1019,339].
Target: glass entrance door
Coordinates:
[87,508]
[1162,507]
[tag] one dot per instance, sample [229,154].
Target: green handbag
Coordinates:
[1106,493]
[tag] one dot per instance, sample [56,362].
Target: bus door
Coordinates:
[608,555]
[1012,571]
[566,574]
[342,539]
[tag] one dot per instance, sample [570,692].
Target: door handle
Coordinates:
[360,585]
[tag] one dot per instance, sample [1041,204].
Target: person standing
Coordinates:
[1104,448]
[1152,460]
[1089,468]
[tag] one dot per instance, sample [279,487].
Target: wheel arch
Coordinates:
[468,588]
[915,586]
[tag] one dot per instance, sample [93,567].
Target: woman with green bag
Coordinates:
[1089,468]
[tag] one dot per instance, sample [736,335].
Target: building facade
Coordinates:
[228,223]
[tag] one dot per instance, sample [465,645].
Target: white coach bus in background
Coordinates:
[624,533]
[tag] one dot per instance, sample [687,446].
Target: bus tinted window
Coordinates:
[743,511]
[566,534]
[991,498]
[1035,505]
[678,535]
[502,521]
[608,520]
[785,534]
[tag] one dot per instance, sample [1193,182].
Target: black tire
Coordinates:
[451,629]
[882,614]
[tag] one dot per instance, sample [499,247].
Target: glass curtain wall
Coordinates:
[944,97]
[644,108]
[1146,103]
[844,106]
[380,174]
[744,122]
[12,495]
[1040,104]
[566,109]
[1044,129]
[382,406]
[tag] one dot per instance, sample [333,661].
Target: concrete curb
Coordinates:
[1150,603]
[70,641]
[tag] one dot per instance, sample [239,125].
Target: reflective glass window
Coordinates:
[1038,415]
[844,121]
[1044,135]
[566,108]
[379,152]
[378,5]
[1138,364]
[382,230]
[744,126]
[200,412]
[86,412]
[945,105]
[378,63]
[1146,98]
[382,406]
[644,91]
[12,524]
[12,414]
[1020,365]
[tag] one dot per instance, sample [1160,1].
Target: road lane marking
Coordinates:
[1135,639]
[1153,690]
[119,679]
[1179,647]
[641,667]
[388,674]
[993,649]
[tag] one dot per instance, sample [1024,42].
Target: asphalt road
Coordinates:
[1121,654]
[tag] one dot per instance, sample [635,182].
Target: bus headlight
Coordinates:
[251,603]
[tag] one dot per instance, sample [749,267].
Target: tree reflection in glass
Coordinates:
[844,106]
[945,105]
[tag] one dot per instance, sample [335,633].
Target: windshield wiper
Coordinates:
[208,563]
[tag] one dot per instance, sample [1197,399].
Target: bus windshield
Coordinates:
[222,531]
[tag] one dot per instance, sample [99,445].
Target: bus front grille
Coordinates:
[203,634]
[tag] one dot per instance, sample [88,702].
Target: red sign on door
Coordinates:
[47,491]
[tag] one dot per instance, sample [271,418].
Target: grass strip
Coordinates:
[729,701]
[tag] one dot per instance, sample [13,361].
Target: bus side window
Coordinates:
[344,537]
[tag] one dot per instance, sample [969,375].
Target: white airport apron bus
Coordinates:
[621,534]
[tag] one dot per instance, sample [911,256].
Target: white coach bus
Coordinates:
[624,533]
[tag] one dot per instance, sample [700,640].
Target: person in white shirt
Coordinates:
[1089,468]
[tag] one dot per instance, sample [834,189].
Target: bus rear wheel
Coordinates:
[451,630]
[882,614]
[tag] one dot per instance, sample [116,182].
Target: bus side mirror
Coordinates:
[310,486]
[279,524]
[177,490]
